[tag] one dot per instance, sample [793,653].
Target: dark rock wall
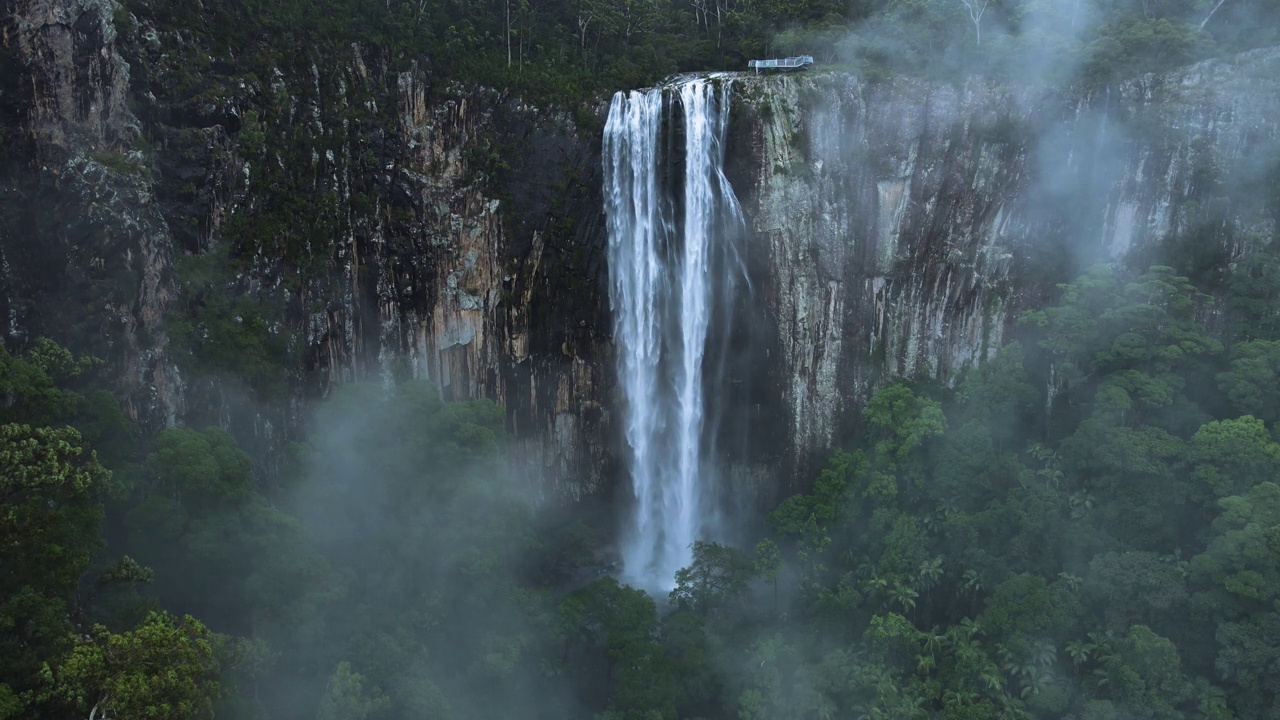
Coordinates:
[395,226]
[906,225]
[389,225]
[84,248]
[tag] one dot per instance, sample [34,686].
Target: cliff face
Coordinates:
[84,247]
[902,227]
[191,214]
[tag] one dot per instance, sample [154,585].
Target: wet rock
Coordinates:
[400,227]
[900,228]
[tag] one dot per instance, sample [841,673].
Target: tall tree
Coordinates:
[976,8]
[50,514]
[163,670]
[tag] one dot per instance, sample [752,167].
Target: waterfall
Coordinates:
[671,238]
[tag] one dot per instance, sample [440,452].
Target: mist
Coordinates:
[363,362]
[442,572]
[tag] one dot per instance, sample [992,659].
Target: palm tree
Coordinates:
[911,706]
[991,677]
[1081,504]
[1044,653]
[1072,581]
[1079,652]
[1036,682]
[972,581]
[973,586]
[925,664]
[1015,666]
[878,586]
[885,686]
[905,596]
[930,573]
[934,641]
[1051,473]
[970,628]
[1102,645]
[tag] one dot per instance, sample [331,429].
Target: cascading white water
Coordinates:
[663,269]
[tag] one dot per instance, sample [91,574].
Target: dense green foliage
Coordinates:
[1107,549]
[567,47]
[52,494]
[1087,526]
[217,331]
[162,670]
[1084,527]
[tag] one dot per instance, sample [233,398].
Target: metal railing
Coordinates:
[790,63]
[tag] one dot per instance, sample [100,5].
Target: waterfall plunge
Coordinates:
[671,240]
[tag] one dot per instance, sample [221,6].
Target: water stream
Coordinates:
[669,237]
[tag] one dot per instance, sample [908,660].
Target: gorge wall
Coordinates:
[236,237]
[193,216]
[900,228]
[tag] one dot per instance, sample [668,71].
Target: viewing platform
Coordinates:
[791,63]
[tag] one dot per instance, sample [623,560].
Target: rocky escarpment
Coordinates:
[900,228]
[237,235]
[240,231]
[84,247]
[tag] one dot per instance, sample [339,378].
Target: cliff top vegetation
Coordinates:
[568,48]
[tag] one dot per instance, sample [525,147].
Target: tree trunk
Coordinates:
[719,23]
[1209,17]
[417,20]
[976,8]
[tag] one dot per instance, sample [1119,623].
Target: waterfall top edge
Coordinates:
[733,77]
[678,80]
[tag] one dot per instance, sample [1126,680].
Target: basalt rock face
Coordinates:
[900,228]
[370,222]
[84,248]
[362,222]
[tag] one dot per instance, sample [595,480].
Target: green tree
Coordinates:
[718,575]
[162,670]
[50,514]
[50,508]
[1253,299]
[999,396]
[768,563]
[616,629]
[201,468]
[196,506]
[1252,385]
[346,699]
[1230,457]
[1144,675]
[1024,604]
[1135,587]
[1237,584]
[35,386]
[1240,565]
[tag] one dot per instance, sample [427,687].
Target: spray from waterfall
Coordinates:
[670,239]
